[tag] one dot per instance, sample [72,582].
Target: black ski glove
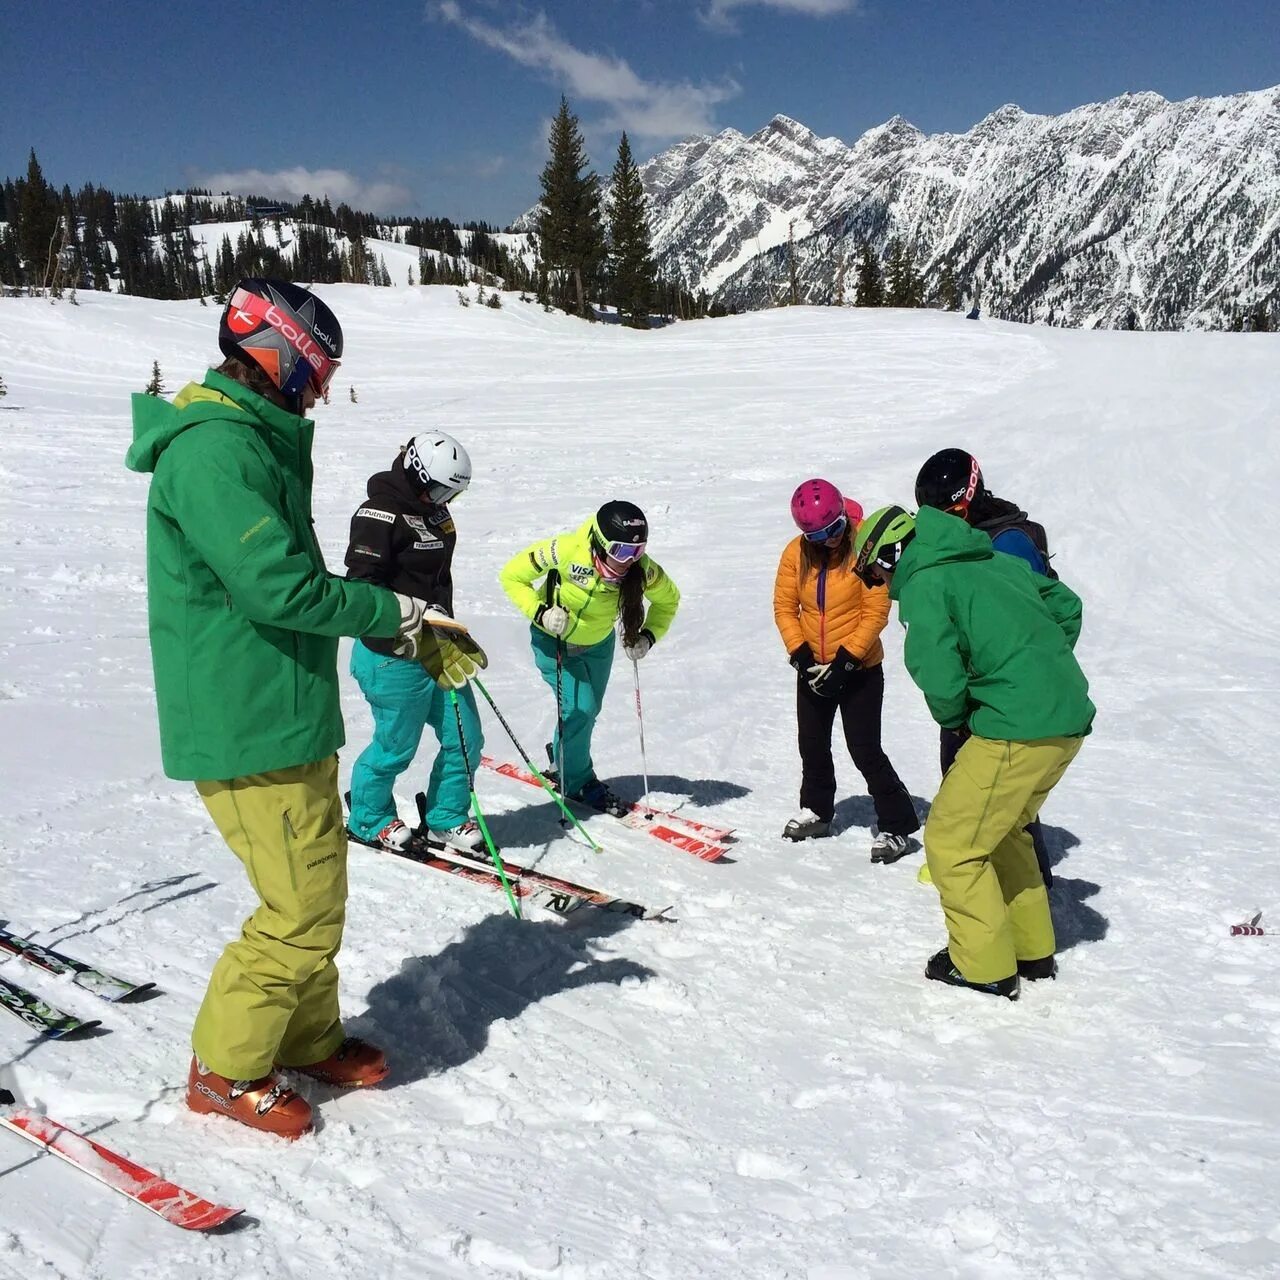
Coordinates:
[801,659]
[828,679]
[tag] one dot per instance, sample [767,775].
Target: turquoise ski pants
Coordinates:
[585,678]
[404,700]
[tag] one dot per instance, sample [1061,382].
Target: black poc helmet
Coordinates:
[286,331]
[950,481]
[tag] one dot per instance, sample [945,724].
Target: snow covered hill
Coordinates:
[1169,208]
[767,1088]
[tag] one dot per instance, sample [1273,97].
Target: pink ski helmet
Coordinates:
[817,507]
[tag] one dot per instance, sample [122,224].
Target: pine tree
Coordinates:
[948,289]
[37,224]
[793,288]
[4,391]
[352,391]
[631,269]
[569,230]
[870,281]
[904,287]
[156,386]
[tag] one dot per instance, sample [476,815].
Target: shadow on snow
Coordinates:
[435,1013]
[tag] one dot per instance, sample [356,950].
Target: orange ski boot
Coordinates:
[354,1064]
[267,1104]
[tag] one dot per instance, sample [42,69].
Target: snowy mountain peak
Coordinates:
[786,127]
[896,134]
[1002,117]
[1167,213]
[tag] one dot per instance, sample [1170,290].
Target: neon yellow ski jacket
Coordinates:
[592,603]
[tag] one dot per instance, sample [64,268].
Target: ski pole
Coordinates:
[553,592]
[644,760]
[560,714]
[533,768]
[475,808]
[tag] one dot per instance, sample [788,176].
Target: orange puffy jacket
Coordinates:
[830,608]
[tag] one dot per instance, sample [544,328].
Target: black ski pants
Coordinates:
[950,742]
[860,704]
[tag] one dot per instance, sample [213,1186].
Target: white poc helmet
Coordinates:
[437,466]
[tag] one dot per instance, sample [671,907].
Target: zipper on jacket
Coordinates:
[822,614]
[289,836]
[595,582]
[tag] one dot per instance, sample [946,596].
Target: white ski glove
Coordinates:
[405,638]
[553,619]
[443,645]
[639,647]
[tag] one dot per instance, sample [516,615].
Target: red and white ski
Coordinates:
[164,1198]
[700,839]
[531,888]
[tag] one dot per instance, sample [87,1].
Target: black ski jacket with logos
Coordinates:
[401,542]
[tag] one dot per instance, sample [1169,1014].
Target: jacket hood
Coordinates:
[940,539]
[157,423]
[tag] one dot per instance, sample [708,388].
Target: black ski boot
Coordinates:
[808,826]
[1034,970]
[598,796]
[941,969]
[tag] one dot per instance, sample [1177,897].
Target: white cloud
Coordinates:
[293,184]
[719,13]
[646,109]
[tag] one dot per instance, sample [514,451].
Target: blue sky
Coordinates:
[440,107]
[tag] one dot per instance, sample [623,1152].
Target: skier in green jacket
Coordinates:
[989,643]
[244,622]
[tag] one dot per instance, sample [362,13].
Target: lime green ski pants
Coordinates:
[983,863]
[273,995]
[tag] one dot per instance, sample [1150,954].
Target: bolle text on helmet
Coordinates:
[296,337]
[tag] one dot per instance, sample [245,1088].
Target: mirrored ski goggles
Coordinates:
[320,379]
[834,530]
[624,552]
[442,494]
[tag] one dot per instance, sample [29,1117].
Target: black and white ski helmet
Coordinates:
[950,481]
[436,466]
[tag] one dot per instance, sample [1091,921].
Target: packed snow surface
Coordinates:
[769,1087]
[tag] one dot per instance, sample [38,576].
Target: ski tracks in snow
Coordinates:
[768,1088]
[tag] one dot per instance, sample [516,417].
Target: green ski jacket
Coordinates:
[244,617]
[989,642]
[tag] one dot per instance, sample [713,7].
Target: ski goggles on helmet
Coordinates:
[623,552]
[962,499]
[833,530]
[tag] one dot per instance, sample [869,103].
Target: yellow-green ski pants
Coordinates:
[273,995]
[983,863]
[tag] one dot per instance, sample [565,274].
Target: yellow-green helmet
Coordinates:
[880,539]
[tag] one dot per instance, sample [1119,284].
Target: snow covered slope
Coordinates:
[767,1088]
[1171,208]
